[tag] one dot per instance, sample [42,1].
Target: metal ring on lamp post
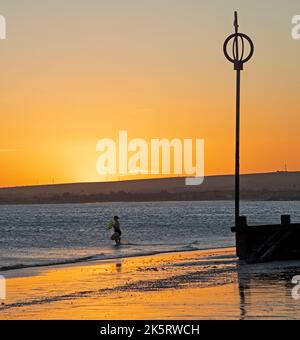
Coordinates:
[238,61]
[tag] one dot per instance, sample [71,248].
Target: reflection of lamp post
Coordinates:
[238,59]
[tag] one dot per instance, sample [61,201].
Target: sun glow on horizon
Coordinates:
[153,69]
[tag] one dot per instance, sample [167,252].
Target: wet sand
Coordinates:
[195,285]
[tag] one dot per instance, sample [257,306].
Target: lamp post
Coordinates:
[237,57]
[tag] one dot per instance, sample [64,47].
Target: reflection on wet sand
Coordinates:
[266,290]
[207,284]
[119,266]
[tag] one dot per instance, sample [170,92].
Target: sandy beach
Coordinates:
[207,284]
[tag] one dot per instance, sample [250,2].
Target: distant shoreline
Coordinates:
[277,186]
[82,201]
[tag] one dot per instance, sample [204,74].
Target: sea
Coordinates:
[50,234]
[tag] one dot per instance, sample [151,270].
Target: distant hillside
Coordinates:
[269,186]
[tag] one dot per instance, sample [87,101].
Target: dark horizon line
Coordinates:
[143,179]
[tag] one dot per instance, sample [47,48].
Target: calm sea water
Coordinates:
[32,235]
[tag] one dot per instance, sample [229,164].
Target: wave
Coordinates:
[102,257]
[46,264]
[156,244]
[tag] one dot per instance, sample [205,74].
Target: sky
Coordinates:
[76,71]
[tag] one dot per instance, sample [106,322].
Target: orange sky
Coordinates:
[76,72]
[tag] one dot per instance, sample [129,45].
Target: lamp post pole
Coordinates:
[237,58]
